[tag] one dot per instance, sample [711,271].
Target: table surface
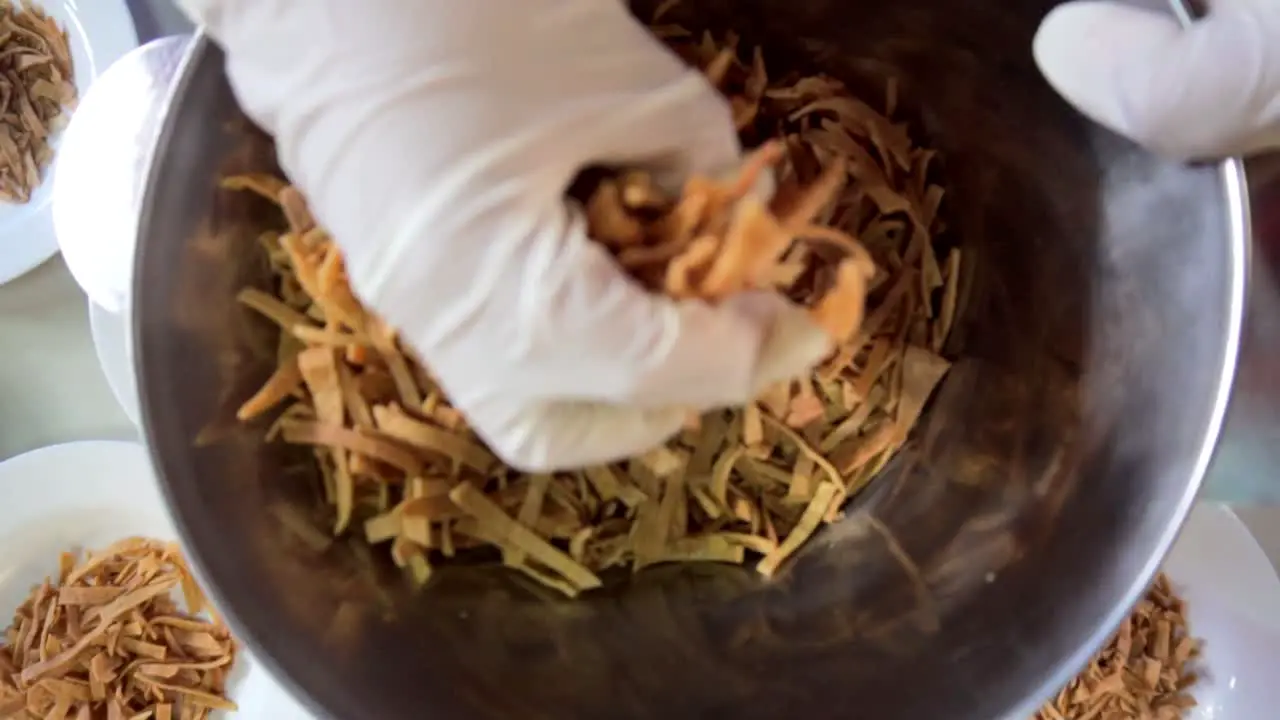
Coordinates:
[52,389]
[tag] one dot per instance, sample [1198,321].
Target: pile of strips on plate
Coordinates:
[107,640]
[850,234]
[1146,672]
[36,88]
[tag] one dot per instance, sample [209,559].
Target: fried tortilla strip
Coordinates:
[88,595]
[706,548]
[610,487]
[296,211]
[364,442]
[839,313]
[319,369]
[683,272]
[754,243]
[273,309]
[261,184]
[809,523]
[922,370]
[510,534]
[530,512]
[950,296]
[105,614]
[393,421]
[190,694]
[281,385]
[332,338]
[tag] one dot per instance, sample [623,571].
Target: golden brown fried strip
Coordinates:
[281,385]
[104,635]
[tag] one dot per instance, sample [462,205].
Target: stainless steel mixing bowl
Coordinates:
[1099,330]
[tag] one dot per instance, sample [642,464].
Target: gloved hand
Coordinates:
[435,140]
[1209,90]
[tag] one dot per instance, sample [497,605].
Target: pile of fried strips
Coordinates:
[1144,673]
[107,640]
[852,226]
[36,92]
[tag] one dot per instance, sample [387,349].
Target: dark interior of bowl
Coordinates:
[1048,477]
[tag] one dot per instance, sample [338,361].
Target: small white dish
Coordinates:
[113,344]
[1233,600]
[100,32]
[87,495]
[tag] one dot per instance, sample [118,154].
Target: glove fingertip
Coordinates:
[1072,50]
[793,345]
[572,435]
[743,345]
[1133,70]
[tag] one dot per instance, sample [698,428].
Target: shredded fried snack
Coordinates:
[107,640]
[35,88]
[850,235]
[1144,673]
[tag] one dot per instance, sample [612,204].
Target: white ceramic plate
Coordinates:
[1233,597]
[88,495]
[100,31]
[102,167]
[113,345]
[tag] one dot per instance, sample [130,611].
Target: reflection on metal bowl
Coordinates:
[1096,349]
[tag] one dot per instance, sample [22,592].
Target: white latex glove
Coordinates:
[1206,91]
[436,139]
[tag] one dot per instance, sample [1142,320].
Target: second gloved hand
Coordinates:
[1209,90]
[435,140]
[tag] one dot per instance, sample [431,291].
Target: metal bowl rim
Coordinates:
[1234,186]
